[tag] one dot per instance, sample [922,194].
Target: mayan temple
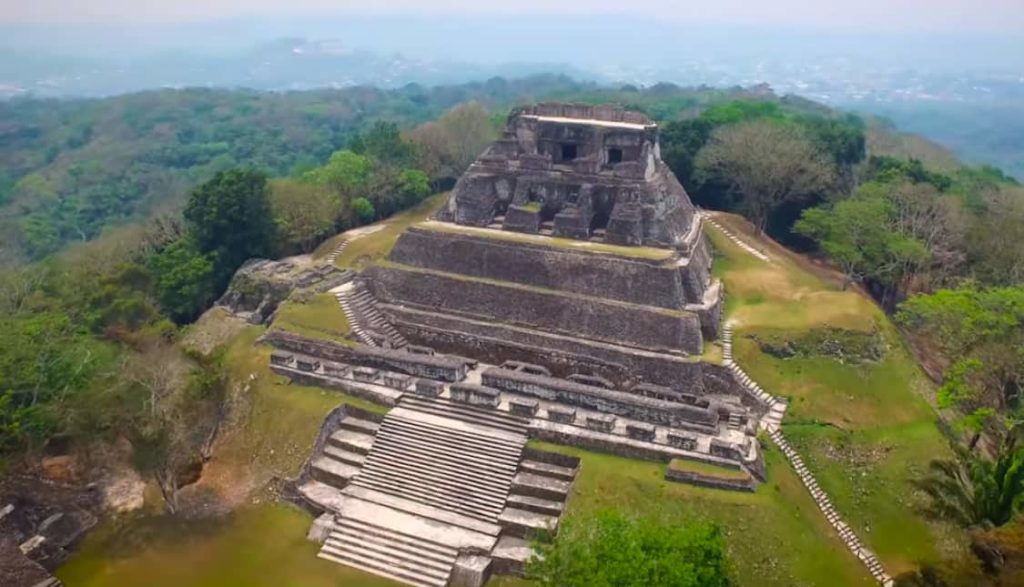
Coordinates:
[563,293]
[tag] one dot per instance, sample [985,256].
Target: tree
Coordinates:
[448,146]
[975,491]
[611,550]
[185,280]
[413,186]
[995,240]
[364,210]
[767,163]
[980,331]
[383,142]
[858,233]
[346,173]
[230,218]
[304,213]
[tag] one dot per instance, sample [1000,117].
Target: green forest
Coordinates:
[122,220]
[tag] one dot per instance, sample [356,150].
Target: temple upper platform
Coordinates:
[576,171]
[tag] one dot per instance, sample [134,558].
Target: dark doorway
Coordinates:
[614,156]
[568,152]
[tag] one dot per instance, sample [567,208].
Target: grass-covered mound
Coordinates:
[863,424]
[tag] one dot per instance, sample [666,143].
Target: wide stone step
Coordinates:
[535,504]
[353,441]
[346,456]
[428,497]
[442,407]
[359,425]
[547,470]
[443,437]
[382,569]
[396,456]
[332,472]
[526,524]
[397,469]
[542,487]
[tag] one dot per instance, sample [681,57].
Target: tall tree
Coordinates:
[768,163]
[860,234]
[981,334]
[230,218]
[304,213]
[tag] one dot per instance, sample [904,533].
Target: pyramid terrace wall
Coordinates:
[563,356]
[665,285]
[553,311]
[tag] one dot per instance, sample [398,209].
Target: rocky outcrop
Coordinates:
[260,285]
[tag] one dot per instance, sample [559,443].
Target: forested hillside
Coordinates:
[69,169]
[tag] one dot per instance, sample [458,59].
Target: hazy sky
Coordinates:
[863,15]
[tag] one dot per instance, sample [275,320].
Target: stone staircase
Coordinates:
[776,406]
[363,316]
[823,502]
[735,421]
[433,480]
[389,553]
[420,456]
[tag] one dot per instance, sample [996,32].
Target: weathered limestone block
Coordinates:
[601,422]
[682,440]
[729,450]
[475,395]
[429,387]
[523,407]
[470,570]
[282,358]
[365,374]
[336,369]
[562,415]
[643,432]
[398,381]
[306,364]
[521,219]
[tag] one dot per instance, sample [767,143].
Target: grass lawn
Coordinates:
[374,246]
[775,536]
[865,429]
[256,546]
[320,317]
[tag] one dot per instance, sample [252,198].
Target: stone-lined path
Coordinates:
[772,423]
[333,255]
[736,239]
[776,406]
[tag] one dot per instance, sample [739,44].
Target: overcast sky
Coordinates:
[857,15]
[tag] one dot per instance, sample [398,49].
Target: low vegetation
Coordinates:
[610,549]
